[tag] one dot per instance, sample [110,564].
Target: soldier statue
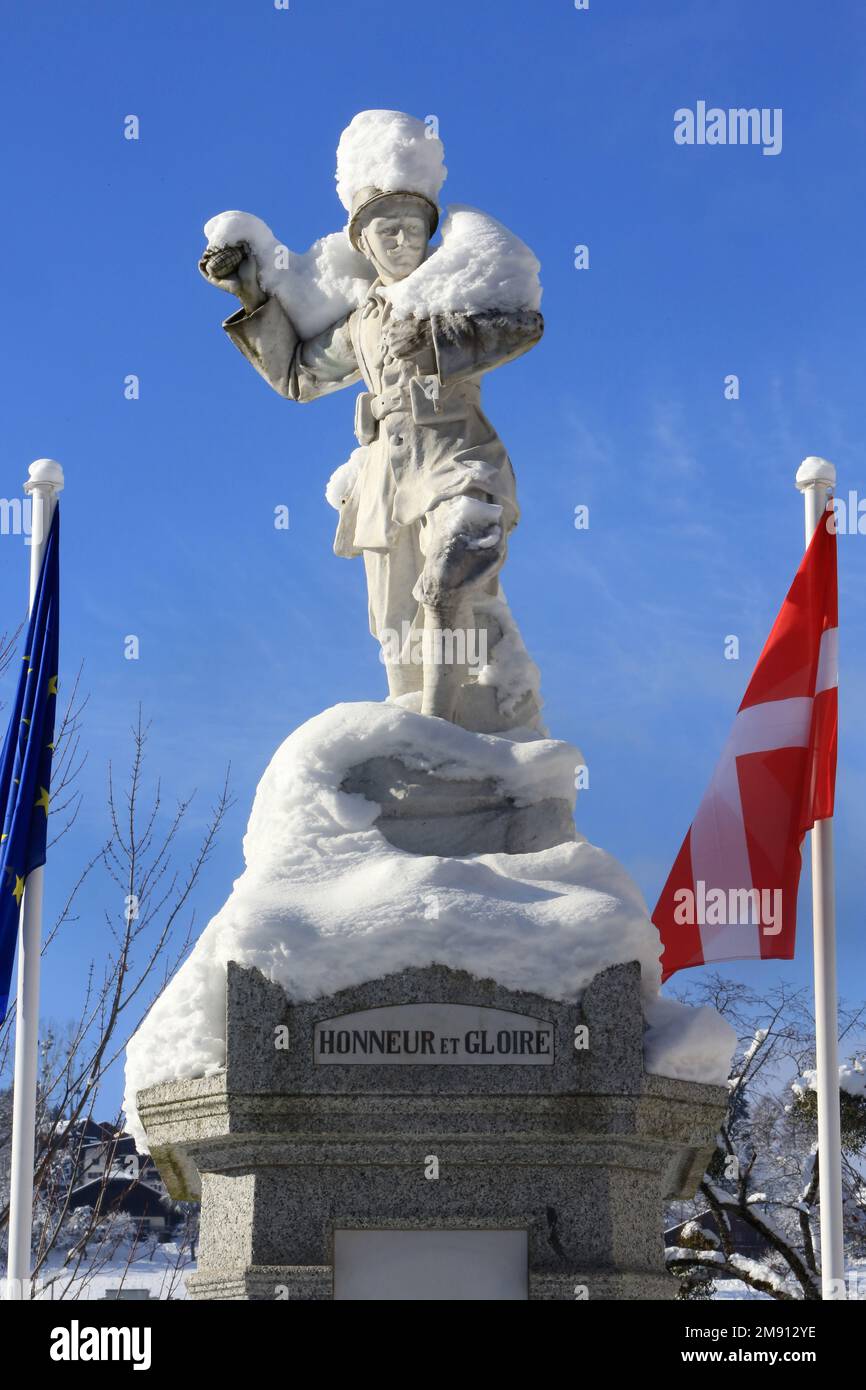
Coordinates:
[434,503]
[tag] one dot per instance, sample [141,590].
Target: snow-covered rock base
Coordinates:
[327,901]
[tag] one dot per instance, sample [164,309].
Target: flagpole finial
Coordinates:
[45,473]
[815,472]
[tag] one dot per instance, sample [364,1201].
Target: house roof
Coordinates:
[118,1193]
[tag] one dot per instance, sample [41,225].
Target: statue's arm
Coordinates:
[300,369]
[467,344]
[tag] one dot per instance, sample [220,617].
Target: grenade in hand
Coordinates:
[224,261]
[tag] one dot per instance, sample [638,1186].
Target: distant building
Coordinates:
[109,1175]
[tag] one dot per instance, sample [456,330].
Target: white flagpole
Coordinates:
[43,485]
[816,479]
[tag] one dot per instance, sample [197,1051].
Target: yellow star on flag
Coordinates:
[42,800]
[52,685]
[18,890]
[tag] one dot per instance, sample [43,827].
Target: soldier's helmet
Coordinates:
[366,198]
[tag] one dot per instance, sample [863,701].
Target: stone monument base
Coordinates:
[430,1102]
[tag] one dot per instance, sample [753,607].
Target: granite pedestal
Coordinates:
[455,1106]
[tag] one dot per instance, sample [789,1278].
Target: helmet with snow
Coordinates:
[386,153]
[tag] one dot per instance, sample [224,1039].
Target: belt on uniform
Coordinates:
[420,396]
[388,402]
[401,397]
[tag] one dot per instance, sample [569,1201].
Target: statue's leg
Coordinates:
[443,671]
[394,612]
[464,547]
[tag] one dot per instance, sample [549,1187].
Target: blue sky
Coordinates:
[703,262]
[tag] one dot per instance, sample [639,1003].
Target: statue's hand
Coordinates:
[221,262]
[407,337]
[235,270]
[219,266]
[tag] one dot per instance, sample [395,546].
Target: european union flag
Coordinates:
[25,765]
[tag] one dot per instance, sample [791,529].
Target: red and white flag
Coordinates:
[732,893]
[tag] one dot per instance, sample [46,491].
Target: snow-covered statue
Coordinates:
[428,497]
[383,842]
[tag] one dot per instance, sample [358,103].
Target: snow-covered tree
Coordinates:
[763,1180]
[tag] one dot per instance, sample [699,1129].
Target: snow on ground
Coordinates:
[161,1269]
[855,1283]
[326,901]
[726,1289]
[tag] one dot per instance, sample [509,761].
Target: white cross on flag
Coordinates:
[732,893]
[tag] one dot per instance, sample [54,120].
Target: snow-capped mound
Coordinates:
[326,902]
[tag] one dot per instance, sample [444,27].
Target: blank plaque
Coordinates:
[428,1266]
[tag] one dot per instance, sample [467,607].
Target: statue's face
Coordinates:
[395,236]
